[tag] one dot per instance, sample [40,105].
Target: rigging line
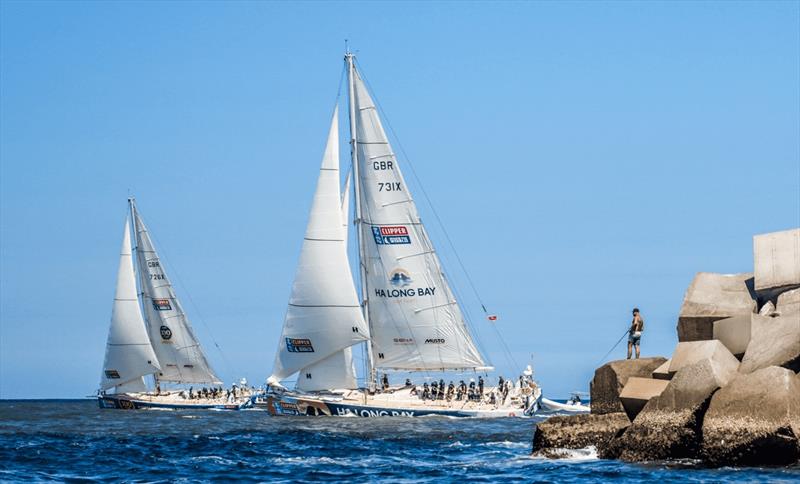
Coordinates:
[380,260]
[174,270]
[433,209]
[424,192]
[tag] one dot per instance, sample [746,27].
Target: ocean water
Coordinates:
[75,440]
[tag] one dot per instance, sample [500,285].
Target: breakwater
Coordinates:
[729,395]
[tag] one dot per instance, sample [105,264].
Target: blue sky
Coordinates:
[584,157]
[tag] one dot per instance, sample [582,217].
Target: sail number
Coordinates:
[389,187]
[157,277]
[382,165]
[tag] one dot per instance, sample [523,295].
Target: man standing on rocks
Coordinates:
[635,333]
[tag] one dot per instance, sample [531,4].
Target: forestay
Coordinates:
[415,321]
[324,316]
[179,353]
[129,355]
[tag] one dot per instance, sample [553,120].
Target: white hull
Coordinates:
[553,406]
[395,403]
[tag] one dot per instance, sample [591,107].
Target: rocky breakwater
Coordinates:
[730,393]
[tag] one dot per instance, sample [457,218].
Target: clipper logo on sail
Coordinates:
[299,345]
[391,235]
[162,305]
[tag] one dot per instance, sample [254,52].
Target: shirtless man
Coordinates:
[635,333]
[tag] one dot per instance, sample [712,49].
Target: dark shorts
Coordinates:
[634,340]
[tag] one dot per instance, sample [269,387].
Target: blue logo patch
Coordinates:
[391,235]
[299,345]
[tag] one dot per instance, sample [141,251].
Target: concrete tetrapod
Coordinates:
[754,420]
[734,333]
[711,297]
[690,352]
[610,378]
[662,372]
[576,432]
[669,426]
[788,303]
[637,392]
[773,342]
[776,260]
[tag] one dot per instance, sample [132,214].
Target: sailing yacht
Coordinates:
[159,345]
[406,315]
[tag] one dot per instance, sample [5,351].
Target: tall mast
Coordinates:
[132,208]
[358,221]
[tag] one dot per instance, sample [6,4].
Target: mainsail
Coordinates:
[324,318]
[415,321]
[178,350]
[129,355]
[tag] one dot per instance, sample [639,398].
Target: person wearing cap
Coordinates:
[635,333]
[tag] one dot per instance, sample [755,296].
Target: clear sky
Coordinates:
[584,157]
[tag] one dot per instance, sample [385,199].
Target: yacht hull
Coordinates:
[294,405]
[125,402]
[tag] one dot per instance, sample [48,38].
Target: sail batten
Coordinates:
[171,335]
[323,319]
[415,322]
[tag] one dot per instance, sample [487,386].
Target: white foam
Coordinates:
[572,455]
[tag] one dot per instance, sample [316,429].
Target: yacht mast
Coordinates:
[132,208]
[350,59]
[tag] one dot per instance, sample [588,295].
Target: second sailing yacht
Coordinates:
[160,345]
[406,316]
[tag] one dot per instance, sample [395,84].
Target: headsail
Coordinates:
[324,316]
[178,350]
[414,319]
[129,355]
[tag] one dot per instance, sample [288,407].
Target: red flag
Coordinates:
[492,317]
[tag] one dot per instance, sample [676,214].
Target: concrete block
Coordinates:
[690,352]
[670,425]
[767,309]
[773,342]
[662,372]
[776,259]
[711,297]
[788,302]
[638,391]
[555,434]
[734,333]
[754,420]
[610,378]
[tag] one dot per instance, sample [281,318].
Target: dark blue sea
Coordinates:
[74,440]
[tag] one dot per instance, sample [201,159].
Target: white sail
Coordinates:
[179,353]
[345,207]
[415,321]
[137,385]
[129,355]
[324,316]
[334,372]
